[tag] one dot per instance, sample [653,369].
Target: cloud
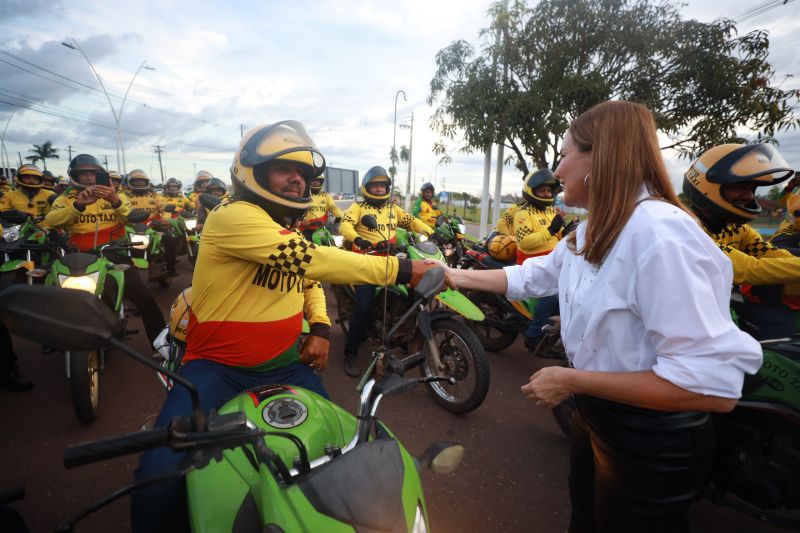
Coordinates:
[21,8]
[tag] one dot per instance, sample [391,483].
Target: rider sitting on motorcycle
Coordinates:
[375,188]
[4,185]
[173,196]
[49,183]
[424,208]
[538,227]
[95,215]
[720,186]
[30,196]
[248,297]
[215,187]
[321,205]
[116,180]
[199,186]
[788,235]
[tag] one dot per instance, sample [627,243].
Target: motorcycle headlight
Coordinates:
[86,283]
[191,224]
[419,522]
[140,242]
[338,239]
[11,234]
[462,228]
[422,238]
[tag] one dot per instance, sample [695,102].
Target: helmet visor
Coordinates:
[756,162]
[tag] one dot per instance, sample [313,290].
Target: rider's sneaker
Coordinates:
[15,382]
[351,365]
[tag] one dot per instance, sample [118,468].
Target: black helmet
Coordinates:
[268,145]
[216,183]
[427,186]
[172,181]
[534,180]
[82,162]
[756,164]
[375,175]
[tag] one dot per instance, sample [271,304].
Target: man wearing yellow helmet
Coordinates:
[30,196]
[4,185]
[141,195]
[720,186]
[173,195]
[375,189]
[424,208]
[199,186]
[254,279]
[321,205]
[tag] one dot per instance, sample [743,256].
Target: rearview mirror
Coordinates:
[431,283]
[209,201]
[369,222]
[49,315]
[138,215]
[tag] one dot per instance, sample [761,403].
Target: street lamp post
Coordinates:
[75,46]
[394,133]
[144,66]
[6,162]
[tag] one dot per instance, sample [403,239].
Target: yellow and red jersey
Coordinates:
[426,211]
[180,202]
[36,205]
[321,205]
[252,284]
[756,261]
[388,217]
[99,223]
[532,231]
[148,201]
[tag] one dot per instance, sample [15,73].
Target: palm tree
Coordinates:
[42,153]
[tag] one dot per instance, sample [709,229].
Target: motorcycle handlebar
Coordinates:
[92,452]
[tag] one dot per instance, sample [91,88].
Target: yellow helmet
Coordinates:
[264,145]
[202,177]
[536,179]
[29,170]
[793,208]
[179,315]
[138,174]
[502,247]
[727,164]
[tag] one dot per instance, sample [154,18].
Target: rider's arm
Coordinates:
[124,208]
[530,234]
[314,309]
[506,223]
[407,221]
[244,231]
[63,211]
[351,217]
[764,270]
[333,208]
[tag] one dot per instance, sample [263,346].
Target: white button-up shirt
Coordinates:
[659,301]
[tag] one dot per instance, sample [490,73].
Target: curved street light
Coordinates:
[394,133]
[144,66]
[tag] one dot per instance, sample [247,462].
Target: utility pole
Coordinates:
[194,166]
[105,158]
[158,149]
[69,150]
[241,130]
[20,158]
[410,155]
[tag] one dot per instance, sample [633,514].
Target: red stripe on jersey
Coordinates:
[241,343]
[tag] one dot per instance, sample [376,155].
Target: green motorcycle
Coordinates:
[275,458]
[147,250]
[452,350]
[24,248]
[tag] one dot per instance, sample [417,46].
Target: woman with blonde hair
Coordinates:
[644,297]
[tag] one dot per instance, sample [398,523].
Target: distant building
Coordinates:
[341,181]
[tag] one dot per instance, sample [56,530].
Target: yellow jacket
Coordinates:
[321,205]
[351,226]
[505,223]
[180,202]
[426,211]
[99,223]
[531,228]
[36,206]
[148,201]
[252,284]
[756,261]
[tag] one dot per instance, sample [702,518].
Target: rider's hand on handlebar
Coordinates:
[362,243]
[314,352]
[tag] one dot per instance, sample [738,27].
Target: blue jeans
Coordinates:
[163,506]
[358,321]
[545,308]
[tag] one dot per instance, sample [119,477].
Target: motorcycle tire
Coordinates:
[563,413]
[84,383]
[492,339]
[465,359]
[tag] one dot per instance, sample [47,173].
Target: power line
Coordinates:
[94,90]
[760,9]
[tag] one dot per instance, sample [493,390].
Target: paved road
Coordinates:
[513,477]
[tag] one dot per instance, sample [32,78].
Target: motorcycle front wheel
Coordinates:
[344,307]
[463,358]
[84,383]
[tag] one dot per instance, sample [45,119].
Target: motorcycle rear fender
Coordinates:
[140,263]
[460,304]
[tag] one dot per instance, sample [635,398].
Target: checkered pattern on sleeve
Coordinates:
[293,256]
[757,248]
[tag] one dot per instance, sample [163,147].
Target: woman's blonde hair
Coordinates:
[625,155]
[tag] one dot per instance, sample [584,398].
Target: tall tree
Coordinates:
[42,153]
[703,82]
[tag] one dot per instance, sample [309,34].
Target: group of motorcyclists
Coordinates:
[258,274]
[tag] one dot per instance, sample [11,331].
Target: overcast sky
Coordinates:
[333,65]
